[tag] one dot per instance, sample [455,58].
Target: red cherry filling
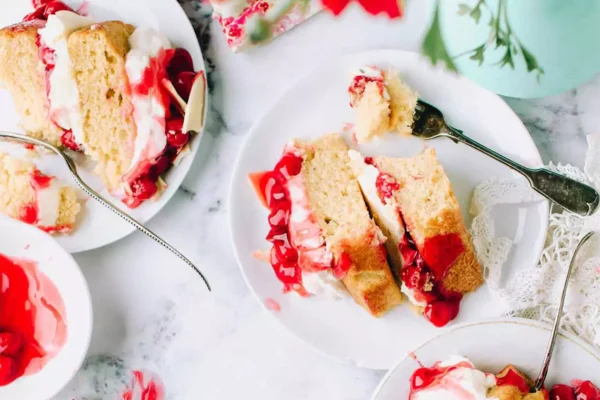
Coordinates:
[342,266]
[509,376]
[43,9]
[562,392]
[10,344]
[386,186]
[183,84]
[180,61]
[175,136]
[55,6]
[359,83]
[441,306]
[68,140]
[587,391]
[441,251]
[143,188]
[8,370]
[422,378]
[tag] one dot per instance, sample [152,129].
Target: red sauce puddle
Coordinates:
[144,386]
[32,319]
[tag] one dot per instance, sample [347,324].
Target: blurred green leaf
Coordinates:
[530,61]
[476,14]
[478,54]
[507,59]
[463,9]
[434,46]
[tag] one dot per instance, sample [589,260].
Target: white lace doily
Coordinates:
[535,292]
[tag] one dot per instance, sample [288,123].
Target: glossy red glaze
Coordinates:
[176,138]
[32,322]
[143,188]
[53,7]
[180,61]
[510,377]
[39,3]
[183,84]
[586,390]
[369,160]
[39,180]
[441,251]
[562,392]
[442,306]
[425,377]
[386,186]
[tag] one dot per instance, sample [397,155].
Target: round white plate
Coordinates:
[24,241]
[318,104]
[98,226]
[491,345]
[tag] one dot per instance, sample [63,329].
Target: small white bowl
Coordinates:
[24,241]
[493,344]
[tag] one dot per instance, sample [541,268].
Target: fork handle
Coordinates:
[568,193]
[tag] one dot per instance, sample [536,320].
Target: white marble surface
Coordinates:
[151,312]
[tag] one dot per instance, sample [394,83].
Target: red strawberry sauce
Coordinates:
[32,319]
[359,83]
[425,268]
[298,246]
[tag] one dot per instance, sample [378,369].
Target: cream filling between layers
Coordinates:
[366,175]
[148,111]
[63,95]
[48,204]
[305,236]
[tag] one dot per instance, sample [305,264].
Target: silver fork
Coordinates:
[573,196]
[11,136]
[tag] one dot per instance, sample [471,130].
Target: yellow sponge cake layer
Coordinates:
[22,74]
[98,57]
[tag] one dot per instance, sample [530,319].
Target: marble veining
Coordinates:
[152,313]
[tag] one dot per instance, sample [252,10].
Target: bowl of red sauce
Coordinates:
[45,314]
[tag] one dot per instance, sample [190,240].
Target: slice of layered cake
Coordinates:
[413,203]
[383,103]
[137,96]
[321,230]
[121,95]
[28,195]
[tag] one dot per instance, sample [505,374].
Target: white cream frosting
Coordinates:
[458,384]
[366,175]
[148,111]
[48,204]
[324,283]
[63,95]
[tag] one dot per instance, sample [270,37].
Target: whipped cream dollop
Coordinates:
[148,108]
[63,95]
[455,379]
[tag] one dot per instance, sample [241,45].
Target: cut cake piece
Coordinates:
[30,196]
[320,225]
[23,74]
[382,102]
[413,203]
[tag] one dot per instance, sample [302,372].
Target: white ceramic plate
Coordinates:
[317,104]
[491,345]
[97,226]
[24,241]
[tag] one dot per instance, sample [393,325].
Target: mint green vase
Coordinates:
[562,35]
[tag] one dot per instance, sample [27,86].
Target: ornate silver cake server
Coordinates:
[568,193]
[11,136]
[539,383]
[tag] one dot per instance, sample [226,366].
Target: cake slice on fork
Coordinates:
[321,230]
[413,203]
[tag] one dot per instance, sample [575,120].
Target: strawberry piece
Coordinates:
[143,188]
[587,391]
[8,370]
[562,392]
[440,313]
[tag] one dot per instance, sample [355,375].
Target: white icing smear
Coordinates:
[324,283]
[148,111]
[63,95]
[464,382]
[366,175]
[48,204]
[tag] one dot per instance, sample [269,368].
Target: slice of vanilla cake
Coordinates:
[140,99]
[28,195]
[382,102]
[321,230]
[412,201]
[23,74]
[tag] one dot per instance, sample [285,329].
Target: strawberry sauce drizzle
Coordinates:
[32,319]
[298,246]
